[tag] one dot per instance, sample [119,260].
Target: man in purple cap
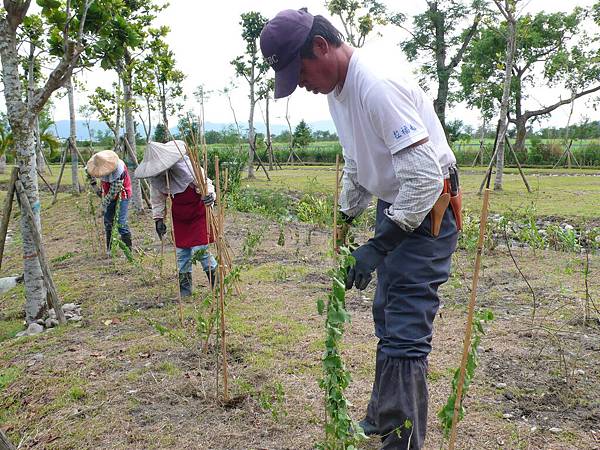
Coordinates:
[394,149]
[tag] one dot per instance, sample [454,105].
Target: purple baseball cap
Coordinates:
[280,43]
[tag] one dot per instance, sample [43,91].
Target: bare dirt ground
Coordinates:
[114,381]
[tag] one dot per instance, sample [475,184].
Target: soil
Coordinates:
[129,376]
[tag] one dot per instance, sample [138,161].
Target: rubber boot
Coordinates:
[126,238]
[211,274]
[108,240]
[185,284]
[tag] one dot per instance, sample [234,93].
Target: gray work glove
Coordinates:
[369,256]
[161,228]
[209,199]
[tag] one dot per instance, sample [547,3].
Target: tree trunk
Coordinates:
[21,124]
[3,163]
[287,119]
[439,104]
[73,138]
[35,290]
[39,151]
[503,120]
[521,125]
[251,131]
[268,125]
[31,85]
[91,142]
[136,197]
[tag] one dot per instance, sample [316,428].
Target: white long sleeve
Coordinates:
[421,182]
[354,198]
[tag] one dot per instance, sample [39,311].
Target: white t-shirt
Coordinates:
[377,115]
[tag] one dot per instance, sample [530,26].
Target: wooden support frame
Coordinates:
[7,210]
[5,443]
[41,253]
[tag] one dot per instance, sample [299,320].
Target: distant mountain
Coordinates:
[62,128]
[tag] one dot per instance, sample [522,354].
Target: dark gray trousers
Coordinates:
[405,305]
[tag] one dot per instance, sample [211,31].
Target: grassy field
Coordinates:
[563,193]
[130,376]
[573,194]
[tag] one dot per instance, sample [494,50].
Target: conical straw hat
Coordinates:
[102,163]
[160,157]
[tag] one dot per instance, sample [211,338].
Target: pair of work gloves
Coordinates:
[369,256]
[159,224]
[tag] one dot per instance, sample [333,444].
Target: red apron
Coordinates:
[189,219]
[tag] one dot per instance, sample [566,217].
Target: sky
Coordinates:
[206,36]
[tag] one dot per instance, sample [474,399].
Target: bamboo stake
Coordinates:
[213,220]
[512,150]
[199,177]
[41,253]
[8,202]
[170,208]
[62,169]
[5,443]
[335,205]
[471,309]
[133,156]
[221,283]
[44,180]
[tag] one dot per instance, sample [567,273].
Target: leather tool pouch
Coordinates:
[437,213]
[456,205]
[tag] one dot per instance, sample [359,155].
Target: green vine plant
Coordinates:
[341,432]
[252,242]
[206,322]
[446,413]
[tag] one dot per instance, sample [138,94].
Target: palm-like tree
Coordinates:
[49,141]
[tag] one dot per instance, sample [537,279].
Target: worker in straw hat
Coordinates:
[170,173]
[116,189]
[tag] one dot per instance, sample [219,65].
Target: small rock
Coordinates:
[21,333]
[508,416]
[500,385]
[52,314]
[579,372]
[40,322]
[555,430]
[533,429]
[69,307]
[509,395]
[34,328]
[75,318]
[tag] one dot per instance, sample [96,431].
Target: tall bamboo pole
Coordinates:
[471,310]
[335,205]
[221,281]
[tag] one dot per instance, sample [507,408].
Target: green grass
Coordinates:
[575,197]
[8,376]
[9,328]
